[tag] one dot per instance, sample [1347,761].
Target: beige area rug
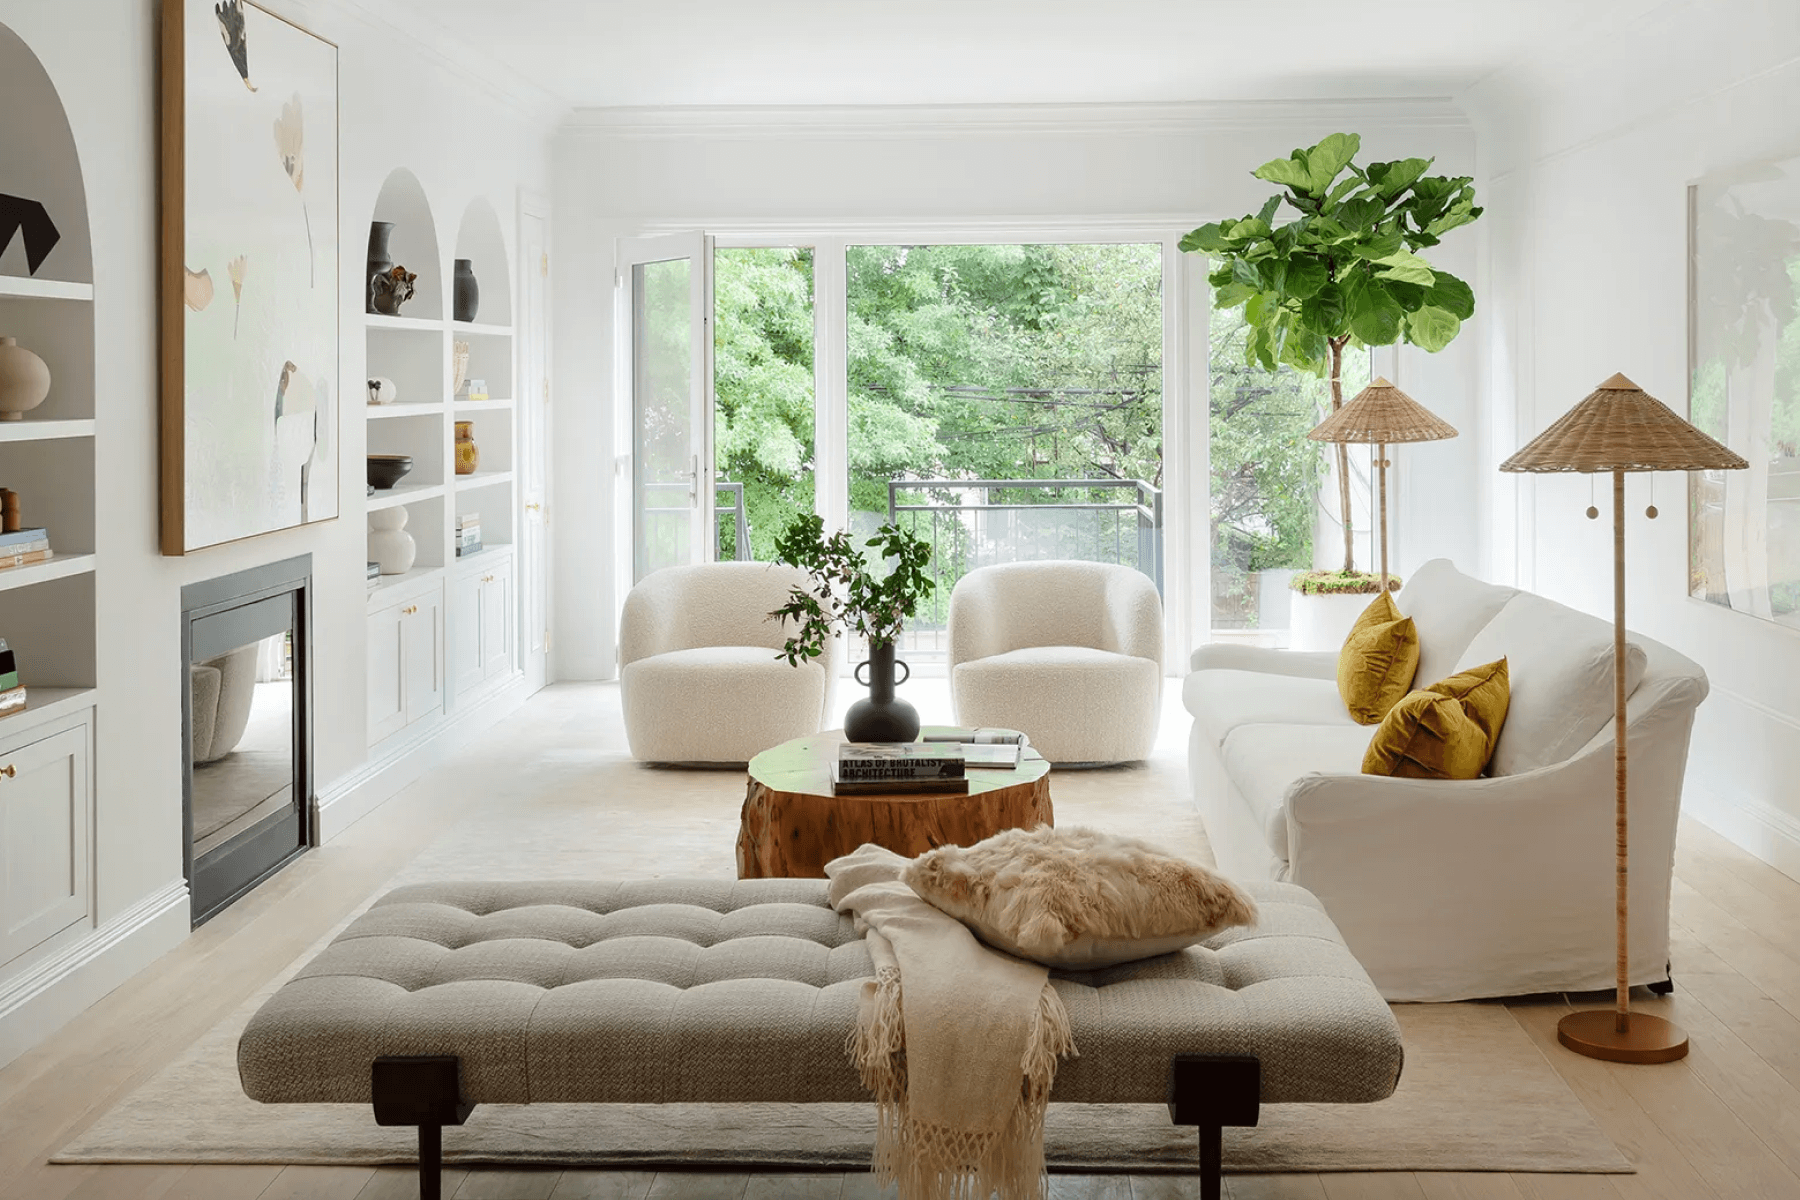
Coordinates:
[558,802]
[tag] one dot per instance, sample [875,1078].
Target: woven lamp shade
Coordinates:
[1382,413]
[1621,427]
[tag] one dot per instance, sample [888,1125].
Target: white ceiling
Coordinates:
[828,52]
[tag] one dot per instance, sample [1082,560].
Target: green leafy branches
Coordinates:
[845,590]
[1348,268]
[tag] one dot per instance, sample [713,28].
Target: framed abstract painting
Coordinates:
[248,277]
[1744,387]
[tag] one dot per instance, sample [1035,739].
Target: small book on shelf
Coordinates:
[946,785]
[24,539]
[11,557]
[12,700]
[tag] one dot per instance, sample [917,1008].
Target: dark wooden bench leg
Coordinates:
[1212,1091]
[425,1091]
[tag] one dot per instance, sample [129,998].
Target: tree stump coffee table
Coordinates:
[792,825]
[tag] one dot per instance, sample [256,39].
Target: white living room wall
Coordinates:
[1590,148]
[909,171]
[465,131]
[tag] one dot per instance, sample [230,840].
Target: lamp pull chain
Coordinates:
[1593,512]
[1651,511]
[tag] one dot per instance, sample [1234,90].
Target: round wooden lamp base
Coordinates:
[1647,1040]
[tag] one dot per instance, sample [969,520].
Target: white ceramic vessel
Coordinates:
[389,543]
[24,380]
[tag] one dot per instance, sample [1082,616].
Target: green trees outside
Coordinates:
[973,362]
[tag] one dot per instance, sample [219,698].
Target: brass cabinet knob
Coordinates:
[409,610]
[7,770]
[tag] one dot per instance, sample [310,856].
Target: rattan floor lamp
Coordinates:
[1621,428]
[1378,415]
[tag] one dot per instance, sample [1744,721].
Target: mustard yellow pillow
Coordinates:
[1445,731]
[1377,663]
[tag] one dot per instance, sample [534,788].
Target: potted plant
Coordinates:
[1345,272]
[845,592]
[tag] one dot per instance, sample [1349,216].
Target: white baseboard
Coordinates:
[1766,832]
[43,997]
[354,796]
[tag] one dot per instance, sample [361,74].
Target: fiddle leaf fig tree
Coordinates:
[1346,271]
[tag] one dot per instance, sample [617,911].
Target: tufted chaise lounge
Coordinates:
[443,996]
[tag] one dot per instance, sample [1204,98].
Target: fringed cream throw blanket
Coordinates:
[959,1043]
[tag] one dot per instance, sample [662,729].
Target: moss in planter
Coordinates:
[1341,583]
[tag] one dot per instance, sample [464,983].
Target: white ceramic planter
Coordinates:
[389,543]
[1323,622]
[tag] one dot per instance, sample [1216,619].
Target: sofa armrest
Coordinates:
[1230,656]
[1439,885]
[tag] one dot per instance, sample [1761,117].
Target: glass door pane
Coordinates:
[1273,490]
[1005,402]
[665,309]
[764,424]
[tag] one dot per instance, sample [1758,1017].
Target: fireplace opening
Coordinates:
[248,807]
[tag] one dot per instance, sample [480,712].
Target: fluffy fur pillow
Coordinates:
[1077,898]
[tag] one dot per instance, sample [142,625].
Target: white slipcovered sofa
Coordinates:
[699,676]
[1448,890]
[1068,652]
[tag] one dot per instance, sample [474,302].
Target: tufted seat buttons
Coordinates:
[717,991]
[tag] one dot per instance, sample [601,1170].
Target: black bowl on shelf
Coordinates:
[385,470]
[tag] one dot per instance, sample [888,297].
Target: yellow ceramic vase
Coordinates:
[468,454]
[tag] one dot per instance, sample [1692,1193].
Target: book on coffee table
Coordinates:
[999,756]
[875,762]
[942,785]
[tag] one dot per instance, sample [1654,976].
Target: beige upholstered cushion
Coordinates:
[715,991]
[1077,898]
[1448,609]
[718,703]
[1076,703]
[1266,762]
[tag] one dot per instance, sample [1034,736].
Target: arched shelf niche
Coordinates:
[47,609]
[413,244]
[479,240]
[40,163]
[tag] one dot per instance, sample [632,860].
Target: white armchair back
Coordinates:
[1014,606]
[708,604]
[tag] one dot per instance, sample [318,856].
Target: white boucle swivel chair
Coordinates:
[1068,652]
[698,672]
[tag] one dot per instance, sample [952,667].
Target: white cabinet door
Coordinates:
[44,791]
[497,622]
[467,627]
[387,673]
[422,647]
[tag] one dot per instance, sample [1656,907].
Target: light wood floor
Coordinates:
[1723,1123]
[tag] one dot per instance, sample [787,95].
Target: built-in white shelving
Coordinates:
[45,289]
[481,327]
[29,430]
[385,412]
[80,562]
[392,583]
[412,324]
[481,479]
[405,493]
[480,406]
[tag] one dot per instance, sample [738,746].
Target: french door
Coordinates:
[665,307]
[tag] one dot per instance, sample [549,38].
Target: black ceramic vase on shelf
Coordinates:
[879,717]
[380,261]
[467,298]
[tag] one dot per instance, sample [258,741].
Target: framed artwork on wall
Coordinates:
[1744,387]
[248,278]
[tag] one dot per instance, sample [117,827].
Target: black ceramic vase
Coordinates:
[380,261]
[467,297]
[879,717]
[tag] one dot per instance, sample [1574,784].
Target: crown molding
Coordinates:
[940,120]
[412,23]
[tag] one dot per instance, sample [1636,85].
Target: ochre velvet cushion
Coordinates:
[1376,665]
[1077,898]
[1445,731]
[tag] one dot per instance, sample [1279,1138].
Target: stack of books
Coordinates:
[884,768]
[374,575]
[468,534]
[12,692]
[23,547]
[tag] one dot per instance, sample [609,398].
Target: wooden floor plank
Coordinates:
[1565,1187]
[1090,1187]
[500,1183]
[225,1183]
[1372,1185]
[319,1183]
[402,1183]
[129,1182]
[1274,1187]
[1468,1185]
[698,1185]
[815,1186]
[603,1185]
[1663,1171]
